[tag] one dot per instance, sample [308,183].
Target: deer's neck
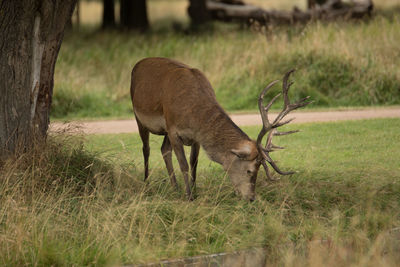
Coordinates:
[221,137]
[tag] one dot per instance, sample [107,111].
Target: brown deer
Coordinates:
[172,99]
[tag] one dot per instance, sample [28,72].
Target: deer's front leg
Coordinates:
[177,146]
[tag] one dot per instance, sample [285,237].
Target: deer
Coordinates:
[176,101]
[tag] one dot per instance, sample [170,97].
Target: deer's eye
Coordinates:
[249,172]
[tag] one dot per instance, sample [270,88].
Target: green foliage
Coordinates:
[335,81]
[338,64]
[67,104]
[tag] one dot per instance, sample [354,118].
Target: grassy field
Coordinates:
[81,200]
[85,203]
[339,64]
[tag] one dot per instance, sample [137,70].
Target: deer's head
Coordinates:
[243,169]
[247,158]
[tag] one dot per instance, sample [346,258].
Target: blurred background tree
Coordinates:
[198,12]
[108,14]
[133,15]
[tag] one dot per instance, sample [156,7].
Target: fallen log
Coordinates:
[331,10]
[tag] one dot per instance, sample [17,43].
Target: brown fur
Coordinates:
[170,98]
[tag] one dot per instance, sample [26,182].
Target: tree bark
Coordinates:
[31,35]
[108,14]
[133,15]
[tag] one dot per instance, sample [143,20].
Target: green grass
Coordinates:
[83,202]
[339,64]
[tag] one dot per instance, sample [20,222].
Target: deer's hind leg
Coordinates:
[166,151]
[144,135]
[194,158]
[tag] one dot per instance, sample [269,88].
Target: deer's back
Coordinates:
[166,92]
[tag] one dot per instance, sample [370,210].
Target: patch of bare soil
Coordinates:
[130,126]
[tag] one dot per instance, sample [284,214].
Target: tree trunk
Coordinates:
[31,36]
[198,12]
[134,15]
[108,14]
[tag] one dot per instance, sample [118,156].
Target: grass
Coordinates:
[339,64]
[83,202]
[79,201]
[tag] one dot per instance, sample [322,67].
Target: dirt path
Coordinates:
[129,126]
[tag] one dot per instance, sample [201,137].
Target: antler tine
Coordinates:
[269,146]
[264,111]
[264,164]
[285,133]
[273,164]
[276,168]
[267,107]
[287,107]
[279,124]
[286,86]
[276,147]
[301,103]
[266,169]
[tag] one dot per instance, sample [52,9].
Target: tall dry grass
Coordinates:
[83,202]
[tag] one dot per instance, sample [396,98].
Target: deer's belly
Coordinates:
[154,123]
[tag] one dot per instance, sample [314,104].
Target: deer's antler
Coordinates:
[271,128]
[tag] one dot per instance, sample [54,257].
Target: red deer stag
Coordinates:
[172,99]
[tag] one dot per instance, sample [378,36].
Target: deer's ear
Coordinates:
[242,153]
